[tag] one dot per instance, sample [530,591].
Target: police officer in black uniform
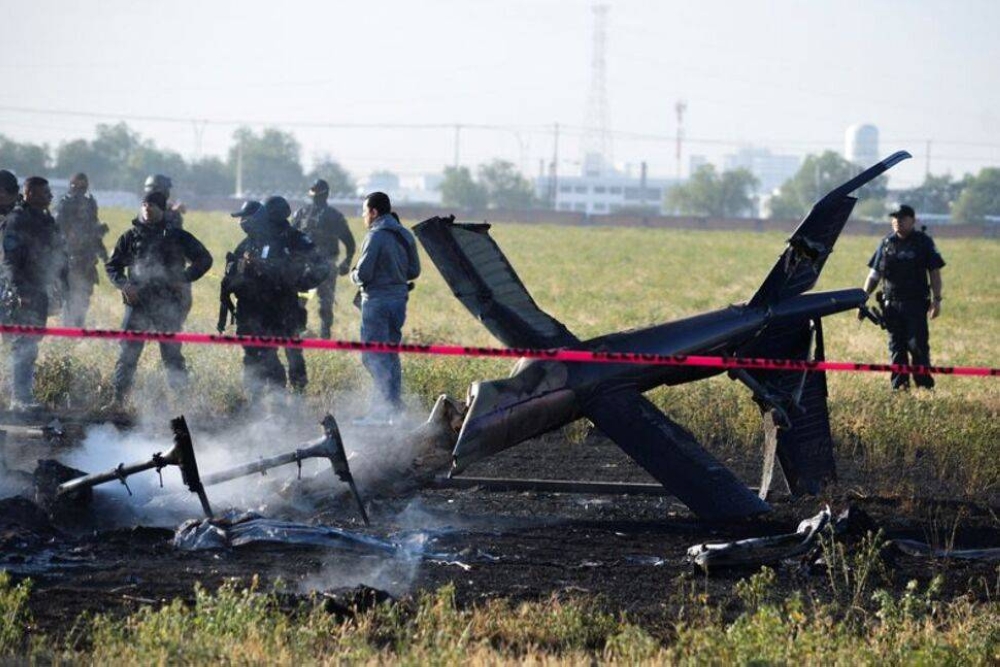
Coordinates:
[34,262]
[328,228]
[76,215]
[909,266]
[153,264]
[265,273]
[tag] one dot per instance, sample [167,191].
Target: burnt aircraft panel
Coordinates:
[804,446]
[799,266]
[672,456]
[484,281]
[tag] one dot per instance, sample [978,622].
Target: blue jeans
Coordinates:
[382,322]
[24,353]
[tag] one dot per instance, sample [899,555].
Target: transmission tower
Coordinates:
[597,141]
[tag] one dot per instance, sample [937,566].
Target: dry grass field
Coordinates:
[921,445]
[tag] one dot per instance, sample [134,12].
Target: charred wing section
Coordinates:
[671,454]
[799,266]
[484,281]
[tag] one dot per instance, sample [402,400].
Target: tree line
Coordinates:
[969,199]
[119,158]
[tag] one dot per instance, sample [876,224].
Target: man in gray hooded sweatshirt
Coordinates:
[385,269]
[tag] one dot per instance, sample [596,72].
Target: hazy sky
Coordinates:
[787,75]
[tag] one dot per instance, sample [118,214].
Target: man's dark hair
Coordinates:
[8,182]
[33,182]
[380,202]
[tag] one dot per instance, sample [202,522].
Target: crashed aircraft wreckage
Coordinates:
[330,446]
[780,321]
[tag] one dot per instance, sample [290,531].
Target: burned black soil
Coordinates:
[628,552]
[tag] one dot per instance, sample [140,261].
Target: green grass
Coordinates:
[245,626]
[599,280]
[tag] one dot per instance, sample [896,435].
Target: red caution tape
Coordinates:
[580,356]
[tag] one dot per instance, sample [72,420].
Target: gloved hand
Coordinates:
[344,268]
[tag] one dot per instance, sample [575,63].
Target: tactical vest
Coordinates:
[903,267]
[314,222]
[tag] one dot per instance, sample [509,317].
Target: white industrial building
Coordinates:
[771,170]
[605,191]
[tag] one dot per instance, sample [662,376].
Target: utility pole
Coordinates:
[199,133]
[458,141]
[239,169]
[642,186]
[554,167]
[679,109]
[927,162]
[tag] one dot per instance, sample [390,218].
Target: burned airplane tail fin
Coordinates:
[799,266]
[484,281]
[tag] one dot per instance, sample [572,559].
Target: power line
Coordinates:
[578,130]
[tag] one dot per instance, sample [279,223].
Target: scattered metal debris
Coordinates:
[330,446]
[760,550]
[180,455]
[49,474]
[919,549]
[550,485]
[237,530]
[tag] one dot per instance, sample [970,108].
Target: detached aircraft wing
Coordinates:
[484,281]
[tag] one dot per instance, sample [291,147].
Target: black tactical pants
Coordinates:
[326,291]
[909,339]
[150,318]
[262,371]
[76,301]
[297,375]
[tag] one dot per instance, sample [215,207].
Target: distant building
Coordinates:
[418,189]
[604,190]
[771,170]
[861,144]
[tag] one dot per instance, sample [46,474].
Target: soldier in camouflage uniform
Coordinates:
[173,217]
[174,213]
[153,265]
[328,228]
[76,215]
